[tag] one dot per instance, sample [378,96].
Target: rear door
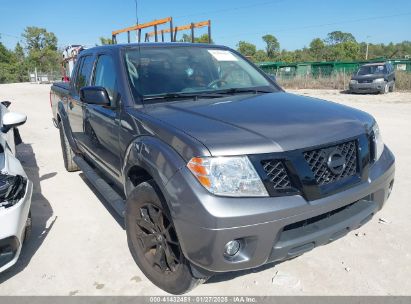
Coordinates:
[101,123]
[75,107]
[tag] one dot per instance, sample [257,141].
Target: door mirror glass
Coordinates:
[95,95]
[12,120]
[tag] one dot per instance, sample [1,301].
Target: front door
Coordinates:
[101,123]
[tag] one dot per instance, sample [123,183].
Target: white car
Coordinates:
[15,190]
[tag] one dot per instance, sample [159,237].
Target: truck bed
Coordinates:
[61,87]
[58,92]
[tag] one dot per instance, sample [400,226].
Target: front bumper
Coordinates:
[12,227]
[367,87]
[272,228]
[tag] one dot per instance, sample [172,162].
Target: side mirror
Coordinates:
[6,103]
[12,120]
[272,77]
[95,95]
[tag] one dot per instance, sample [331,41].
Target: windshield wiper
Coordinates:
[242,90]
[173,96]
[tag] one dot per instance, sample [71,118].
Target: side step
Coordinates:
[102,186]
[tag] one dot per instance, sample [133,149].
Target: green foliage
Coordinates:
[335,47]
[317,49]
[21,64]
[202,39]
[345,51]
[272,45]
[337,37]
[246,48]
[41,47]
[185,38]
[105,41]
[40,52]
[6,68]
[391,50]
[260,56]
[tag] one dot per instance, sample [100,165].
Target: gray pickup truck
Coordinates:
[212,165]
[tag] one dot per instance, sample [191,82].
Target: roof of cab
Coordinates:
[154,45]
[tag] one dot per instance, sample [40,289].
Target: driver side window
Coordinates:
[106,77]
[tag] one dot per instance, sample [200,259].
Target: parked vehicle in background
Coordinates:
[70,54]
[213,166]
[15,190]
[373,78]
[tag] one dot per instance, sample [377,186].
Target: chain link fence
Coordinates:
[336,81]
[44,77]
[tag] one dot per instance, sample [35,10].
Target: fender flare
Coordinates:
[156,157]
[65,124]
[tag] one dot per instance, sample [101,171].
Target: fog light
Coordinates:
[232,248]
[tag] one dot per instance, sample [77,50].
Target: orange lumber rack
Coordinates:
[176,29]
[142,26]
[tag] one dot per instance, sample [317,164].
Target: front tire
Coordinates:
[153,241]
[392,88]
[68,154]
[385,89]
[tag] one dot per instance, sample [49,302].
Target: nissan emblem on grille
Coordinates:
[336,162]
[333,163]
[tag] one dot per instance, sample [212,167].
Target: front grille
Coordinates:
[365,81]
[276,174]
[317,160]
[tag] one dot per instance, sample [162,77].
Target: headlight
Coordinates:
[227,176]
[12,189]
[352,81]
[378,80]
[378,143]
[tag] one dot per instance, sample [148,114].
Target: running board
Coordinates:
[109,194]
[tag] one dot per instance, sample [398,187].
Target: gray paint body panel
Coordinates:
[161,138]
[253,124]
[259,220]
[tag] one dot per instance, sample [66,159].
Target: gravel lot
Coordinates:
[79,248]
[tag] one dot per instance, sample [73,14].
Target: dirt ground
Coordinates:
[79,248]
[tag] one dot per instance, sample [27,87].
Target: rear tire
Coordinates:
[153,242]
[68,154]
[392,88]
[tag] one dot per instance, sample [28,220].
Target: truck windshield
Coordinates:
[190,70]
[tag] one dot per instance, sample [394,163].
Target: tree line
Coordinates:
[38,49]
[337,46]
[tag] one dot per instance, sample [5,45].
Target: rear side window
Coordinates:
[84,72]
[105,76]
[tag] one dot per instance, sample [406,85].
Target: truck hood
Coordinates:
[263,123]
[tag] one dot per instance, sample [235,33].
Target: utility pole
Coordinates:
[366,50]
[135,1]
